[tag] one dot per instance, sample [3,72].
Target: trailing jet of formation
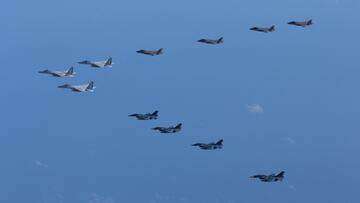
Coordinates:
[212,41]
[60,73]
[80,88]
[264,29]
[271,177]
[151,52]
[146,116]
[98,64]
[210,146]
[171,129]
[305,23]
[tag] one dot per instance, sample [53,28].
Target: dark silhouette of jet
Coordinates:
[301,23]
[210,146]
[170,129]
[212,41]
[151,52]
[147,116]
[264,29]
[270,178]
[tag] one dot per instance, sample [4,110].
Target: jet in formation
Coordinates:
[170,129]
[80,88]
[60,73]
[264,29]
[301,23]
[151,52]
[210,146]
[270,178]
[147,116]
[212,41]
[98,64]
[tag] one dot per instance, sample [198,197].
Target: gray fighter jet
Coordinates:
[60,73]
[147,116]
[170,129]
[151,52]
[270,178]
[301,23]
[80,88]
[264,29]
[210,146]
[98,64]
[212,41]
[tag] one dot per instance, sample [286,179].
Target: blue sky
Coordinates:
[58,146]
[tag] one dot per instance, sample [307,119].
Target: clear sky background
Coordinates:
[57,146]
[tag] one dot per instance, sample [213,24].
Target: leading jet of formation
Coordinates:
[301,23]
[98,64]
[212,41]
[60,73]
[171,129]
[147,116]
[264,29]
[151,52]
[210,146]
[270,178]
[80,88]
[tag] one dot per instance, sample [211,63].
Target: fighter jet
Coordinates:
[271,177]
[151,52]
[147,116]
[301,23]
[212,41]
[210,146]
[80,88]
[264,29]
[60,73]
[170,129]
[98,64]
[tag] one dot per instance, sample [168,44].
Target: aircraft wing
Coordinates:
[57,73]
[259,176]
[97,64]
[160,128]
[205,147]
[78,88]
